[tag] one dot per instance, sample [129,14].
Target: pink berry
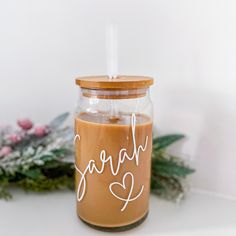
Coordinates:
[25,124]
[41,131]
[14,138]
[5,150]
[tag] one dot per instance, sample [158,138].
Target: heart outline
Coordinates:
[123,185]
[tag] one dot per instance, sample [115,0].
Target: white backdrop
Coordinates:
[188,46]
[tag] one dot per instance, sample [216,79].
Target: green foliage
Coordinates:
[4,194]
[166,140]
[41,164]
[46,184]
[59,120]
[168,172]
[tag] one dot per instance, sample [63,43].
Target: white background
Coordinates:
[188,46]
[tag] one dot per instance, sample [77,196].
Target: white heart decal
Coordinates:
[124,186]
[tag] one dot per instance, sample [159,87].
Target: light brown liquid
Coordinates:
[99,132]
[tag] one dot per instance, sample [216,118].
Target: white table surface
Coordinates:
[54,214]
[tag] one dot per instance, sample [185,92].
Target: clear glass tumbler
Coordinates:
[113,146]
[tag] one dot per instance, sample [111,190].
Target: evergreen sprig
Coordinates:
[168,178]
[42,163]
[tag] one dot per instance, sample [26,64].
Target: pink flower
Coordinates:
[5,150]
[25,124]
[14,138]
[41,131]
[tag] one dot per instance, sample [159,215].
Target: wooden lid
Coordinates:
[119,83]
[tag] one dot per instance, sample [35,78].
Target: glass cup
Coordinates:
[113,146]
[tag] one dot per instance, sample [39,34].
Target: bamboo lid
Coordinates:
[122,82]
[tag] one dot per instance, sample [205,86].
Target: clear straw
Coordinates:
[111,51]
[112,59]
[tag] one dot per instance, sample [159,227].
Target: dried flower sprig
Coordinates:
[39,159]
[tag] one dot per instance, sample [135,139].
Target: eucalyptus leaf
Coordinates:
[171,169]
[166,140]
[58,121]
[60,152]
[32,173]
